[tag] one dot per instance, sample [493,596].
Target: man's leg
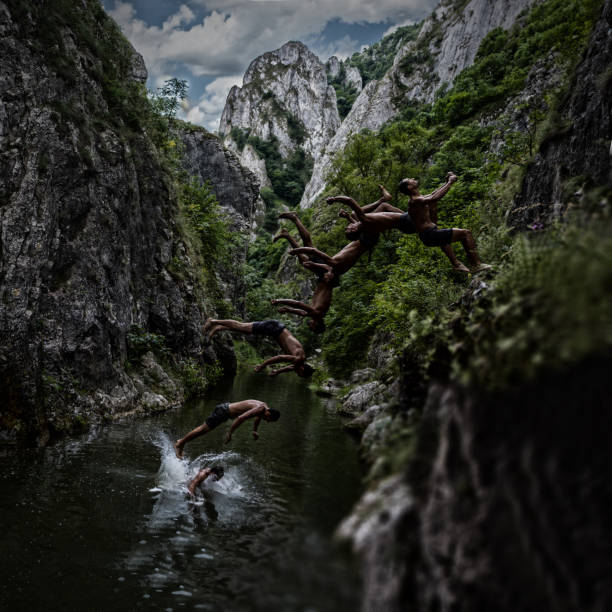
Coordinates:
[215,325]
[386,207]
[313,266]
[448,250]
[304,233]
[194,433]
[469,244]
[295,311]
[292,241]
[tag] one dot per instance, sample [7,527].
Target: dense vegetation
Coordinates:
[407,293]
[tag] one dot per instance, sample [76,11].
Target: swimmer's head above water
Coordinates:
[217,472]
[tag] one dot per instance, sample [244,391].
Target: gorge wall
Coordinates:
[502,499]
[95,267]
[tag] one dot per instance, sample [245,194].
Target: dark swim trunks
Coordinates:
[406,225]
[219,415]
[271,327]
[434,236]
[368,240]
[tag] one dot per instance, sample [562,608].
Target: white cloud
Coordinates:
[235,32]
[209,107]
[392,29]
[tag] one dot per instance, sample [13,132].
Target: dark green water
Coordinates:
[103,522]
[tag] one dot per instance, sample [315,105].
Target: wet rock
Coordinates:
[361,376]
[372,529]
[360,423]
[362,397]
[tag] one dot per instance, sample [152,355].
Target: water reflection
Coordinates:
[108,519]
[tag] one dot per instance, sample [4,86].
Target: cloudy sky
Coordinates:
[211,43]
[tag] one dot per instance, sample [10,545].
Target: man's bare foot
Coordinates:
[273,302]
[178,450]
[386,196]
[282,309]
[287,215]
[283,233]
[459,267]
[207,325]
[481,267]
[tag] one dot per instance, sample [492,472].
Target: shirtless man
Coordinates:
[363,239]
[239,411]
[327,280]
[385,217]
[216,471]
[423,212]
[294,351]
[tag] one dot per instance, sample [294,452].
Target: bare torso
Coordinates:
[321,298]
[238,408]
[345,259]
[291,345]
[420,213]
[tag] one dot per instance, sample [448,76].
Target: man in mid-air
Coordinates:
[239,411]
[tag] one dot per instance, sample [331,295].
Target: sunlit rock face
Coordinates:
[447,44]
[285,95]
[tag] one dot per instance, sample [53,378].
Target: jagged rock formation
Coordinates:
[447,43]
[237,191]
[89,240]
[351,77]
[577,152]
[285,95]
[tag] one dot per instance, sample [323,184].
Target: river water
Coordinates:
[104,522]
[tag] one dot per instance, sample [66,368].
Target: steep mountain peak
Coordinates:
[285,101]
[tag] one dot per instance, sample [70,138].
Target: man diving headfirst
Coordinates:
[239,411]
[294,353]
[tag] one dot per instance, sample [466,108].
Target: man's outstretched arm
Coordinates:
[282,370]
[440,192]
[275,359]
[253,412]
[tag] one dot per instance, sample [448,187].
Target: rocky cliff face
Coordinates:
[237,191]
[447,43]
[285,95]
[503,507]
[89,239]
[503,501]
[576,155]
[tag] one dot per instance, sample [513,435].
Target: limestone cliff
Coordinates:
[97,282]
[447,43]
[285,96]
